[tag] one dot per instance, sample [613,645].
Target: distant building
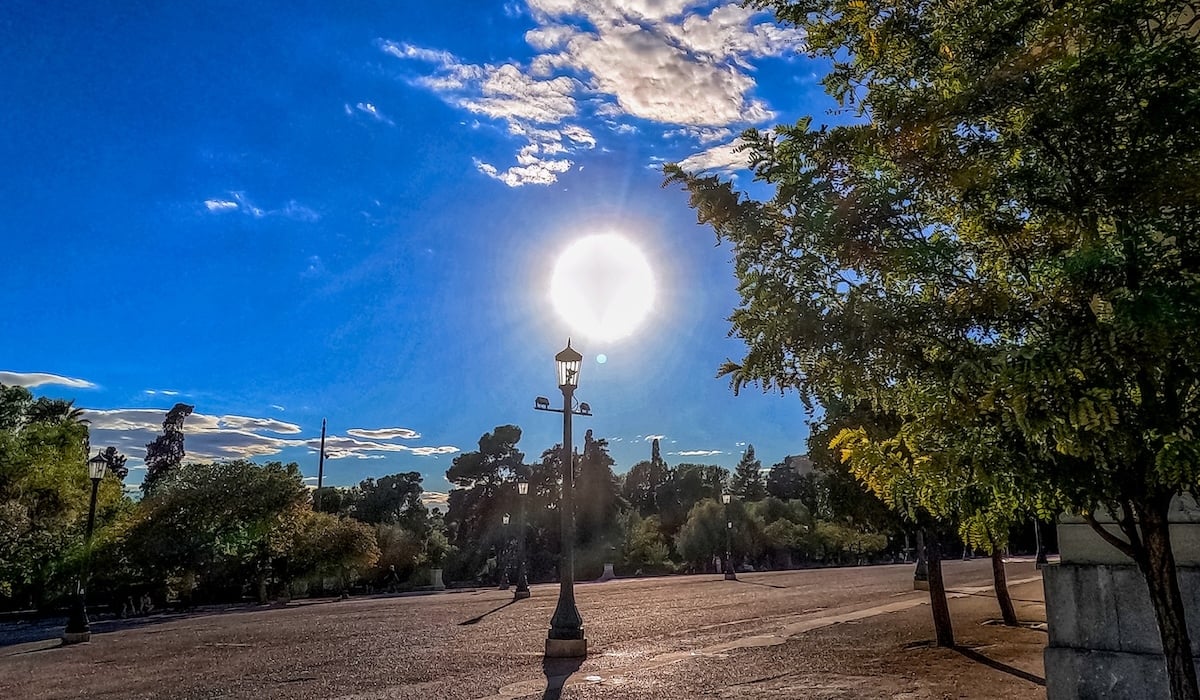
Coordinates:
[801,463]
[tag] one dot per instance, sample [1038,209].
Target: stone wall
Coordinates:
[1103,639]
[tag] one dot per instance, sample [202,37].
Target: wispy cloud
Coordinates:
[384,433]
[370,110]
[35,379]
[685,63]
[652,438]
[697,453]
[239,202]
[341,447]
[164,392]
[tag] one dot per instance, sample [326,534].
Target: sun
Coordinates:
[602,286]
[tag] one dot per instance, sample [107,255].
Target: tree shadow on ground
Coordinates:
[557,672]
[999,665]
[479,618]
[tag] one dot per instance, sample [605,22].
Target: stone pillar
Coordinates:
[436,580]
[1103,638]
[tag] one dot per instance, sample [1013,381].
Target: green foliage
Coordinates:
[44,496]
[784,482]
[327,545]
[644,482]
[220,524]
[645,549]
[390,499]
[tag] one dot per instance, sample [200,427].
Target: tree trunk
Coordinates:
[1000,583]
[937,592]
[1157,563]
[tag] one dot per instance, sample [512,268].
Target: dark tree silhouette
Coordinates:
[166,452]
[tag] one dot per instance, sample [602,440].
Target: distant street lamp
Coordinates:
[522,590]
[501,558]
[921,574]
[565,639]
[78,628]
[730,575]
[1041,561]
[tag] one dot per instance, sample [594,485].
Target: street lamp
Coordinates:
[729,573]
[565,639]
[522,590]
[502,558]
[78,628]
[1041,562]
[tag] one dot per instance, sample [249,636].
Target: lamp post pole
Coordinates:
[730,575]
[78,627]
[502,556]
[1041,561]
[565,638]
[522,589]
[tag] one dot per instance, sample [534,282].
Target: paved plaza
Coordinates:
[821,633]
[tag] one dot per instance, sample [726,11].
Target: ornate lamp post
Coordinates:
[522,590]
[565,639]
[78,628]
[729,573]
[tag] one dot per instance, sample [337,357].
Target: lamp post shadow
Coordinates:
[557,671]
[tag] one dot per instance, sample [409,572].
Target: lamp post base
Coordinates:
[76,637]
[519,594]
[566,648]
[730,576]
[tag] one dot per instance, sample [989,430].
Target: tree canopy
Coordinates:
[1003,235]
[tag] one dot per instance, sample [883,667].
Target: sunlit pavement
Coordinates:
[826,633]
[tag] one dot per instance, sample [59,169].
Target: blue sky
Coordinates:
[280,212]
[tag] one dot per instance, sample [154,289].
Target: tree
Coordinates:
[393,499]
[644,481]
[166,452]
[747,482]
[485,492]
[216,527]
[328,545]
[783,481]
[1005,235]
[115,462]
[597,498]
[44,497]
[687,485]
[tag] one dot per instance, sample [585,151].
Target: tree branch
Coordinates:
[1121,545]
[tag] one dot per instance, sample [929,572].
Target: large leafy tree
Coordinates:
[393,499]
[485,492]
[1006,233]
[44,495]
[215,527]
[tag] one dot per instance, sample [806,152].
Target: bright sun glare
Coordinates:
[602,287]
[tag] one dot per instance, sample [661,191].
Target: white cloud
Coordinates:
[652,438]
[384,433]
[340,447]
[238,201]
[220,205]
[697,453]
[687,63]
[164,392]
[724,158]
[277,407]
[371,111]
[209,437]
[435,499]
[35,379]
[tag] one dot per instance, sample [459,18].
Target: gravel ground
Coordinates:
[825,633]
